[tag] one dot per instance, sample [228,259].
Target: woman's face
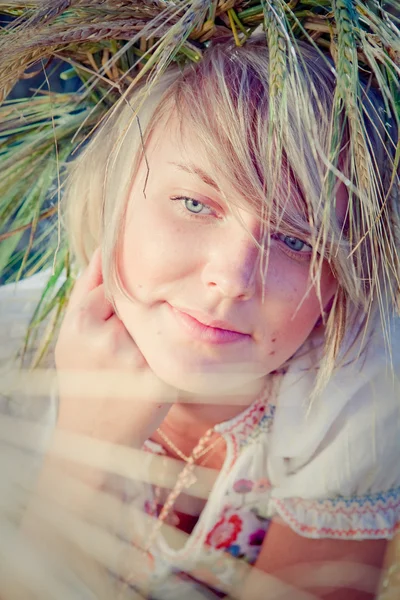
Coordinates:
[198,313]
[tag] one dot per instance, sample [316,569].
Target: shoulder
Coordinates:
[27,417]
[18,302]
[17,305]
[341,455]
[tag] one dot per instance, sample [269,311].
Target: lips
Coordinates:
[202,328]
[204,319]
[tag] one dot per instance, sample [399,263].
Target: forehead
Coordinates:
[176,147]
[177,143]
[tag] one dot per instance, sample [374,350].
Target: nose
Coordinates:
[232,265]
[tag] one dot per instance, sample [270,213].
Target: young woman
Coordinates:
[232,269]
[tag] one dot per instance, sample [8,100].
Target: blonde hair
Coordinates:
[226,103]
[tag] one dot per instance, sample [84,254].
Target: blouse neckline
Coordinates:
[246,421]
[235,430]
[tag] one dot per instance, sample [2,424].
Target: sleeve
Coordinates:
[335,467]
[17,304]
[26,419]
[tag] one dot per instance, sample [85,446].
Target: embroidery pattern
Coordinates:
[371,516]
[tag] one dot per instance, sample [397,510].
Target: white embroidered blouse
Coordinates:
[330,470]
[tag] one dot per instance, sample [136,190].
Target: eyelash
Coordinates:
[182,199]
[305,250]
[279,236]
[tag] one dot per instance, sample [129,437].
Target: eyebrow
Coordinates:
[194,170]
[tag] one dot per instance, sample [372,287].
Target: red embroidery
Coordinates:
[224,532]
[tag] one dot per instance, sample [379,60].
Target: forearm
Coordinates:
[322,568]
[76,518]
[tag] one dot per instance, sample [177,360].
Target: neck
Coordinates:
[194,414]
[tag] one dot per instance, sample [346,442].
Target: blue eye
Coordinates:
[294,243]
[193,206]
[189,207]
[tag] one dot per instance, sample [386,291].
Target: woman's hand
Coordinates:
[106,388]
[110,402]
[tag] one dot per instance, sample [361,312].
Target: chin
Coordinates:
[205,379]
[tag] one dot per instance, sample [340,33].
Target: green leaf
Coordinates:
[61,294]
[7,248]
[49,288]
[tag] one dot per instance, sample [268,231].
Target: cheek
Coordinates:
[294,304]
[148,251]
[291,284]
[132,264]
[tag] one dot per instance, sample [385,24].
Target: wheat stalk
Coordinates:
[347,83]
[274,25]
[86,32]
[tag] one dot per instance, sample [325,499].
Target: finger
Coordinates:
[90,279]
[124,345]
[97,306]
